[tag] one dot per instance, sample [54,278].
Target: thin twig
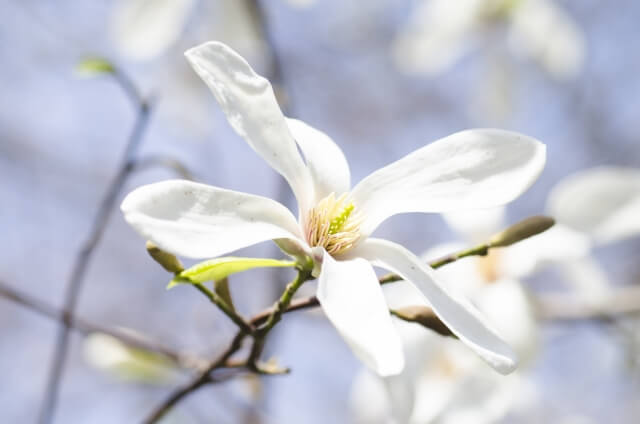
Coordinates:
[202,379]
[164,162]
[76,280]
[88,327]
[274,317]
[565,307]
[244,326]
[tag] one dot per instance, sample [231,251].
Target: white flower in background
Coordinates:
[470,169]
[603,205]
[144,29]
[440,32]
[442,383]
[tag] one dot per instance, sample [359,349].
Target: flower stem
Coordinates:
[479,250]
[278,309]
[226,308]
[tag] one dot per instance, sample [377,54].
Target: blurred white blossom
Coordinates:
[467,170]
[147,30]
[441,382]
[143,29]
[440,32]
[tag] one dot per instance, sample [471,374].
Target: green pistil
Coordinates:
[338,222]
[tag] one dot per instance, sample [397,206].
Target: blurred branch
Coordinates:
[163,162]
[76,280]
[244,326]
[561,307]
[86,327]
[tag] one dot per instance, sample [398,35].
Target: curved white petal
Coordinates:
[326,162]
[460,316]
[471,169]
[546,33]
[248,101]
[477,225]
[418,346]
[202,221]
[438,33]
[508,308]
[352,299]
[143,29]
[462,278]
[603,202]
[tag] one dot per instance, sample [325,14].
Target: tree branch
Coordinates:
[87,327]
[565,307]
[76,280]
[270,316]
[244,326]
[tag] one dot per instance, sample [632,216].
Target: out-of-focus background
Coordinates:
[382,78]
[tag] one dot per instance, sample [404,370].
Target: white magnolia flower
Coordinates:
[441,31]
[442,383]
[470,169]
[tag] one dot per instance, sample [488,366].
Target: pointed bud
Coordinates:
[165,259]
[94,66]
[522,230]
[113,356]
[221,287]
[424,316]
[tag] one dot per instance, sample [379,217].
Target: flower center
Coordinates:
[489,266]
[334,224]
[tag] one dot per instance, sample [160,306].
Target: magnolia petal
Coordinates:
[248,101]
[143,29]
[459,315]
[471,169]
[352,299]
[201,221]
[543,31]
[603,202]
[508,308]
[462,278]
[326,162]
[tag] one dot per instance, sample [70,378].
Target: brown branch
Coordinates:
[87,327]
[565,307]
[77,277]
[161,161]
[263,317]
[202,379]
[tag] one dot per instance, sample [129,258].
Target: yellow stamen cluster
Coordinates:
[333,224]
